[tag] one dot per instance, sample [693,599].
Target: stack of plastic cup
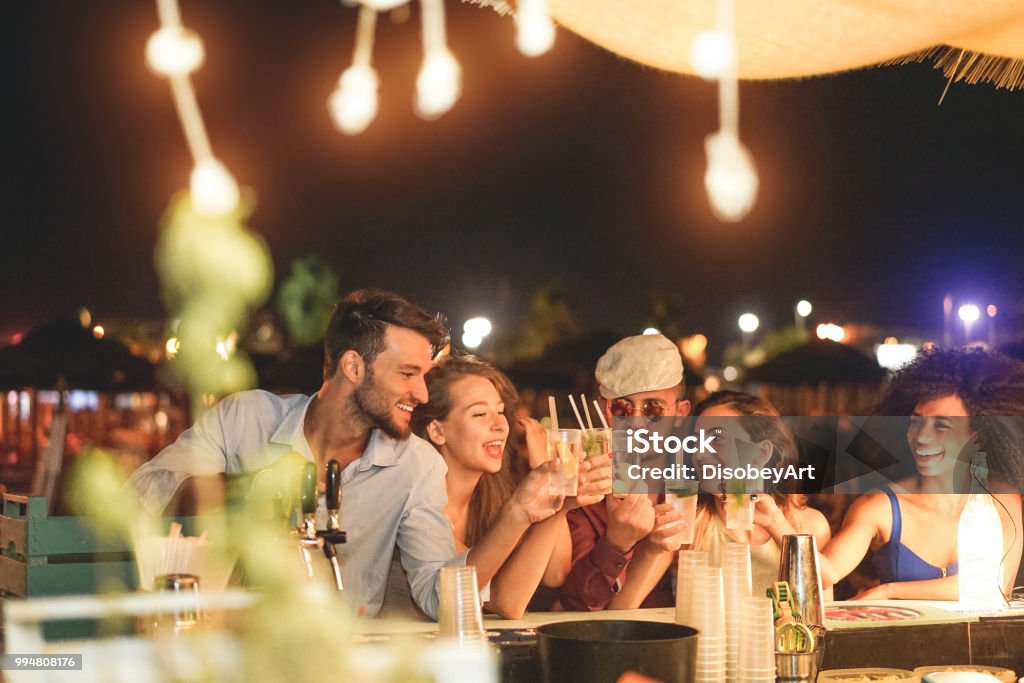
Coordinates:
[689,560]
[737,580]
[757,642]
[708,615]
[459,615]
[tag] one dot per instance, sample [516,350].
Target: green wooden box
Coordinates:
[42,555]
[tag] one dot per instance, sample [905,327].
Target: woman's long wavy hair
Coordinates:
[493,489]
[761,420]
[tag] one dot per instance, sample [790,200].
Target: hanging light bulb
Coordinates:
[174,51]
[354,104]
[712,54]
[214,190]
[535,32]
[731,179]
[438,84]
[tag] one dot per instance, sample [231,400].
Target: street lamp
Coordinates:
[968,313]
[748,323]
[474,330]
[802,310]
[991,310]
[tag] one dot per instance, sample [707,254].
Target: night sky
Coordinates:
[578,165]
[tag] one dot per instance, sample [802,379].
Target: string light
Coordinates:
[354,104]
[174,51]
[535,32]
[731,179]
[214,190]
[712,54]
[439,82]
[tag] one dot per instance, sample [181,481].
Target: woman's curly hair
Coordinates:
[991,387]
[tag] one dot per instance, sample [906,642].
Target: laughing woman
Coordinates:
[465,420]
[961,403]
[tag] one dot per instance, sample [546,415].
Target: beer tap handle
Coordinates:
[307,495]
[333,533]
[333,479]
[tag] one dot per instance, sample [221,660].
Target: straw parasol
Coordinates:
[970,40]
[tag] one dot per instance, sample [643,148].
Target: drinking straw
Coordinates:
[574,409]
[583,400]
[600,414]
[554,413]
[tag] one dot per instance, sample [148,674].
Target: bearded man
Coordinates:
[377,349]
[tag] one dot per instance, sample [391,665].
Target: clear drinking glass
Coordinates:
[564,445]
[598,441]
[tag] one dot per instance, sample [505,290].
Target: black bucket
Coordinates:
[597,651]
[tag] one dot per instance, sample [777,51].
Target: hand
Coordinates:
[530,501]
[629,520]
[766,510]
[668,524]
[878,592]
[536,441]
[595,479]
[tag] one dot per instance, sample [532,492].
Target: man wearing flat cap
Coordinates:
[628,535]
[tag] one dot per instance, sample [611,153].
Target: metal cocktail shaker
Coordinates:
[799,566]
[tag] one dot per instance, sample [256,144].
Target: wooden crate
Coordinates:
[42,555]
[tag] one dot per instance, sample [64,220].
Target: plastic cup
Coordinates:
[757,628]
[682,495]
[564,446]
[598,442]
[688,561]
[739,512]
[460,616]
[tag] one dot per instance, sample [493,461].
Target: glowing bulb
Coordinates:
[214,190]
[969,313]
[98,331]
[830,332]
[651,330]
[731,179]
[712,54]
[171,347]
[991,310]
[749,322]
[478,327]
[470,340]
[354,104]
[535,32]
[803,308]
[438,84]
[175,51]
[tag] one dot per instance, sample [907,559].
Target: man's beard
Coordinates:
[374,405]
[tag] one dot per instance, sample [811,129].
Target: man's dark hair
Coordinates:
[360,321]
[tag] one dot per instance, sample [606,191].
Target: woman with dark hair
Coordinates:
[465,419]
[962,404]
[737,418]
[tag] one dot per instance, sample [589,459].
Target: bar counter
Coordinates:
[939,636]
